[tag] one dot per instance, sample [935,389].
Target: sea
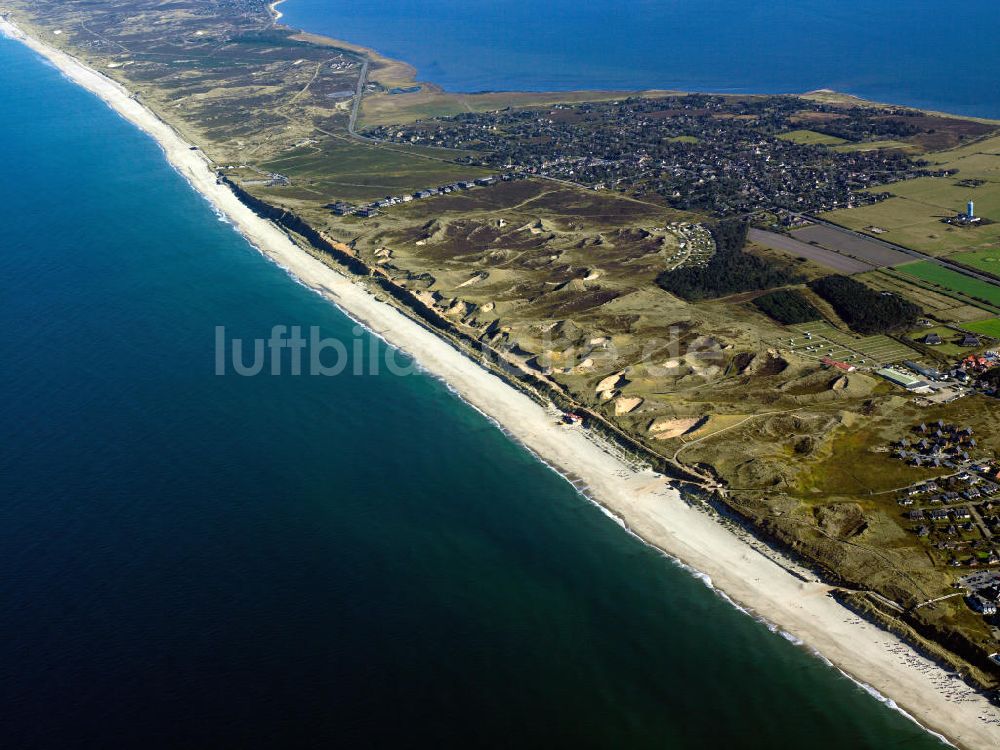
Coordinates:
[922,53]
[189,559]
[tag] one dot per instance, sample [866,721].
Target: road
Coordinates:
[359,93]
[916,255]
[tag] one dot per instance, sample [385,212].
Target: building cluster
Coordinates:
[967,218]
[976,365]
[959,514]
[342,208]
[697,152]
[936,445]
[983,589]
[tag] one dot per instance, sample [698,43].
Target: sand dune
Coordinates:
[644,501]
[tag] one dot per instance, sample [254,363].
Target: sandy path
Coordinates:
[644,501]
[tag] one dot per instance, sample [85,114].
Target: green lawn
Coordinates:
[948,279]
[985,260]
[873,145]
[989,327]
[913,217]
[811,138]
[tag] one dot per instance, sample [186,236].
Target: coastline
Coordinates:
[644,503]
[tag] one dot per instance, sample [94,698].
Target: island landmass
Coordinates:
[785,306]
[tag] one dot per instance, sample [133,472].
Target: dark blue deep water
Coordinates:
[924,53]
[194,561]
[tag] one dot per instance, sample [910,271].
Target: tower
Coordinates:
[971,210]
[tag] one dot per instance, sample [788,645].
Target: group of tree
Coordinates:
[862,308]
[730,270]
[787,306]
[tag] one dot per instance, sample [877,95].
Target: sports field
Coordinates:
[953,280]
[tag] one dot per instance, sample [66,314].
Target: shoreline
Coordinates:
[376,56]
[273,9]
[643,502]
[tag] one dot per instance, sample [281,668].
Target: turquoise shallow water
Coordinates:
[917,52]
[199,561]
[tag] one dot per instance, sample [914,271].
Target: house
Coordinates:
[341,209]
[366,211]
[838,365]
[962,514]
[981,605]
[928,372]
[932,339]
[969,340]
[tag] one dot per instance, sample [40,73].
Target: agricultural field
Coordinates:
[913,216]
[796,248]
[338,169]
[949,308]
[876,145]
[985,260]
[989,327]
[952,280]
[868,251]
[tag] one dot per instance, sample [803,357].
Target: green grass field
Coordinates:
[947,279]
[913,216]
[950,348]
[338,169]
[811,138]
[989,327]
[984,260]
[873,145]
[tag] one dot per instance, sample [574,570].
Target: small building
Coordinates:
[969,340]
[981,605]
[928,372]
[846,367]
[366,212]
[341,209]
[932,339]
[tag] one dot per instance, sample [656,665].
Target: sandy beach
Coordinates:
[643,501]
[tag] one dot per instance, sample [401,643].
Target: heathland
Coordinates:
[593,249]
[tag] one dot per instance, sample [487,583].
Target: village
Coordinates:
[958,512]
[726,155]
[368,210]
